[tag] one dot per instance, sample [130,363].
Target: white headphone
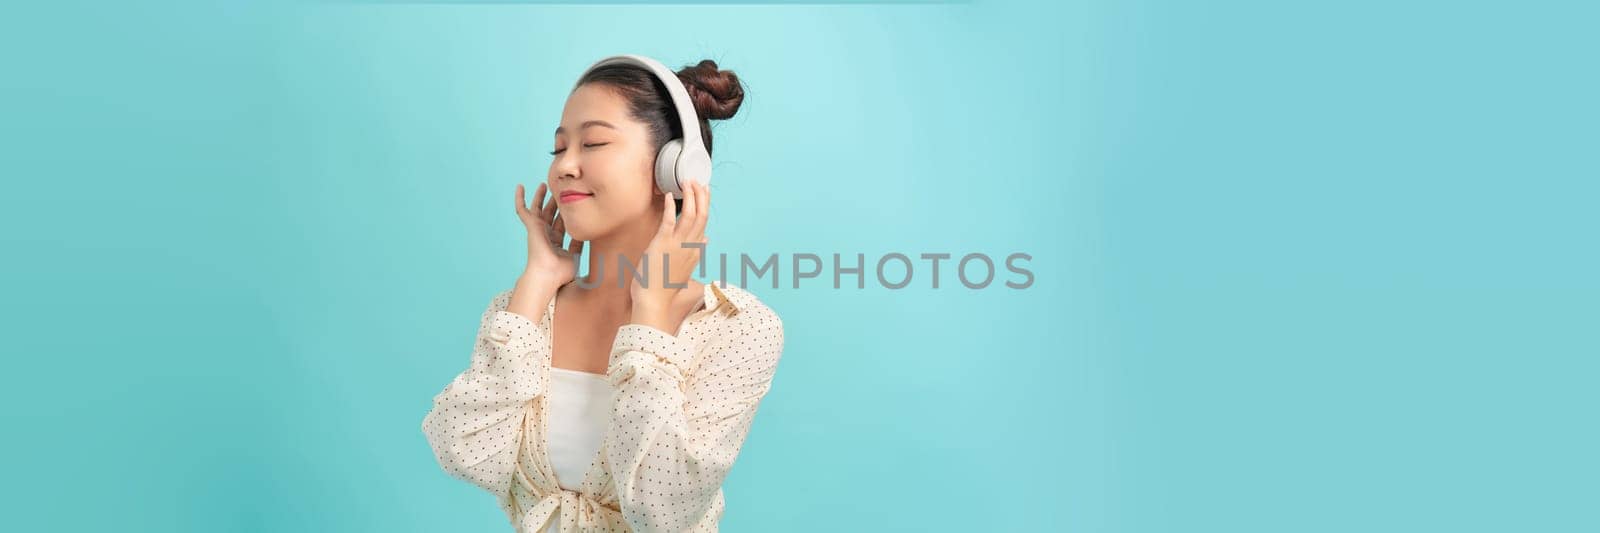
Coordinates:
[682,160]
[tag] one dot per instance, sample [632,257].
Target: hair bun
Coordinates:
[716,93]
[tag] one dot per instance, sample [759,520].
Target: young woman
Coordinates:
[608,403]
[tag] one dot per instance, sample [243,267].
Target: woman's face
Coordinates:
[602,151]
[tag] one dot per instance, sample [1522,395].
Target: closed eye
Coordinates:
[589,145]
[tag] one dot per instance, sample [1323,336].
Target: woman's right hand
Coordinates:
[548,261]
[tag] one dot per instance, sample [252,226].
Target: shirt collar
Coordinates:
[717,299]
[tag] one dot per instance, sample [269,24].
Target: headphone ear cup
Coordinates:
[667,167]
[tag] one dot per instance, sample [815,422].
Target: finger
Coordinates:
[522,203]
[667,219]
[548,212]
[558,230]
[576,247]
[693,214]
[702,212]
[687,217]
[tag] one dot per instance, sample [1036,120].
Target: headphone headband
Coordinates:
[684,161]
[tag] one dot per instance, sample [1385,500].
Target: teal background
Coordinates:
[1310,267]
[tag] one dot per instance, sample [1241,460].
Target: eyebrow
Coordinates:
[587,124]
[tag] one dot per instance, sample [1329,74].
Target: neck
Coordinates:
[609,278]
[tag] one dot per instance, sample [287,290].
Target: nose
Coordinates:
[564,167]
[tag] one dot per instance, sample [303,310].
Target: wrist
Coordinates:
[648,301]
[650,315]
[530,295]
[534,279]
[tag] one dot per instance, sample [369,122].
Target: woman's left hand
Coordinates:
[652,299]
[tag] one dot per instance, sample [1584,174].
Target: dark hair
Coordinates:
[716,93]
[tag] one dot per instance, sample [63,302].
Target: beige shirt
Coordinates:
[681,409]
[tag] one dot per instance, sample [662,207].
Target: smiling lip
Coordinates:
[569,197]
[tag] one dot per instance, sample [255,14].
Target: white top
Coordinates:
[579,410]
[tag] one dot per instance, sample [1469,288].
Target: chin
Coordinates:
[580,233]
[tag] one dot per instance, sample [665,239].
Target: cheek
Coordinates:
[623,193]
[624,201]
[628,183]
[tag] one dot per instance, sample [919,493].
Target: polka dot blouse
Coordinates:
[681,408]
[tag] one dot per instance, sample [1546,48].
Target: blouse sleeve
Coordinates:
[672,443]
[475,424]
